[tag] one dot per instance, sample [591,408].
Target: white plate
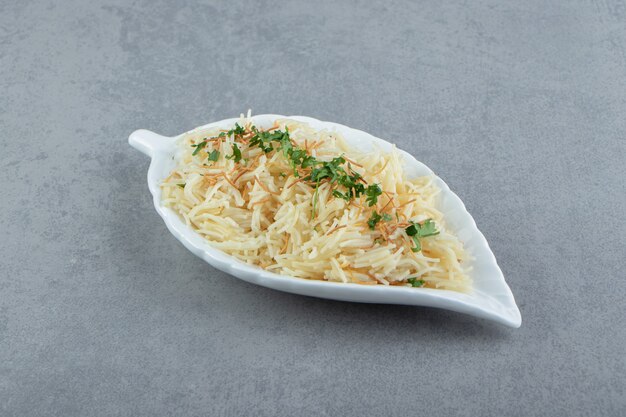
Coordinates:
[491,297]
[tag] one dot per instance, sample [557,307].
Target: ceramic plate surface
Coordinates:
[491,297]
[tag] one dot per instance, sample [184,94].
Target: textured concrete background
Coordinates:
[520,106]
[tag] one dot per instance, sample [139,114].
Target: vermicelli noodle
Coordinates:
[265,209]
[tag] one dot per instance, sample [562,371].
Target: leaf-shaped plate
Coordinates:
[490,298]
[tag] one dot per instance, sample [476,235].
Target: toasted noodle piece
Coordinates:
[382,168]
[336,228]
[408,202]
[388,202]
[294,183]
[243,171]
[228,180]
[352,161]
[272,224]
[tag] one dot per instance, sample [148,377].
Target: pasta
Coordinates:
[313,207]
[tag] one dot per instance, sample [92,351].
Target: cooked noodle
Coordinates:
[258,211]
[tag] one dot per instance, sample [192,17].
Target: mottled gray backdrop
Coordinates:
[519,105]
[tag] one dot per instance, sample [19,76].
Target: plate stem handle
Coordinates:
[148,142]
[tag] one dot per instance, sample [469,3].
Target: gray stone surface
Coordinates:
[520,106]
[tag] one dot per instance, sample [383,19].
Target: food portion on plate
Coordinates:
[301,202]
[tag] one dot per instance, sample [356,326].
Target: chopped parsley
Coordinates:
[214,155]
[299,157]
[181,185]
[264,139]
[198,146]
[314,209]
[330,170]
[416,282]
[372,192]
[418,231]
[335,174]
[236,131]
[236,156]
[375,218]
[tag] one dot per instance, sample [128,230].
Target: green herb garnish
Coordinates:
[416,282]
[418,231]
[236,156]
[264,139]
[375,218]
[372,192]
[235,131]
[331,170]
[299,157]
[181,185]
[238,130]
[317,188]
[198,147]
[214,155]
